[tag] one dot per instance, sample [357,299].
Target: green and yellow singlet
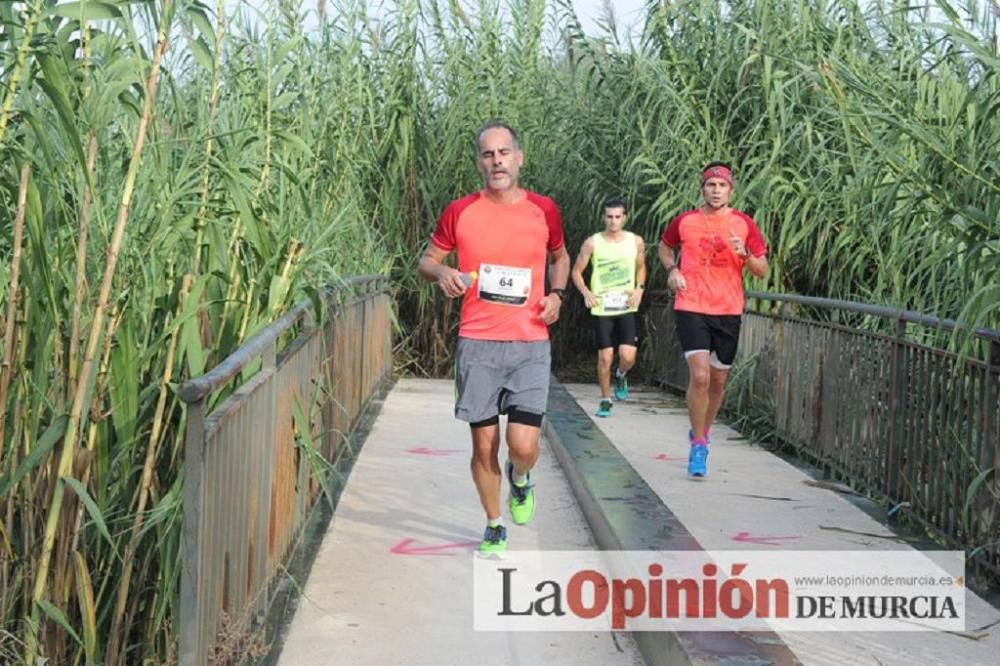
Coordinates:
[612,274]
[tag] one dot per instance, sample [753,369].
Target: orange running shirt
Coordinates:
[713,272]
[507,246]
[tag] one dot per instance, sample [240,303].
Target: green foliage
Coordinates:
[281,158]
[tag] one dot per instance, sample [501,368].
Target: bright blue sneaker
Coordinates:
[621,386]
[698,460]
[604,410]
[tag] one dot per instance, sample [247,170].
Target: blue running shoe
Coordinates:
[698,460]
[605,408]
[621,386]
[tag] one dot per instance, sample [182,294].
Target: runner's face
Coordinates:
[717,193]
[614,219]
[499,159]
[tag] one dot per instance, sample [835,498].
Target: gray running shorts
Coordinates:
[491,377]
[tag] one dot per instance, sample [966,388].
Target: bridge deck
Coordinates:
[392,583]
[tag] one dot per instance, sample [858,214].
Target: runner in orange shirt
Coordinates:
[716,242]
[504,236]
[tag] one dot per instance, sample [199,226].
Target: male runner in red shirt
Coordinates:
[715,242]
[504,237]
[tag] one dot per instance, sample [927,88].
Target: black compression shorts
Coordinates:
[618,330]
[716,334]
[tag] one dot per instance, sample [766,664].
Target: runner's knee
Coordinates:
[627,355]
[699,372]
[523,451]
[485,441]
[718,380]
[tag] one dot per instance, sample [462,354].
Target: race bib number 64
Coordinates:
[504,285]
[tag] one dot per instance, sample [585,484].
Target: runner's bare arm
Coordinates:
[560,276]
[754,259]
[668,257]
[758,266]
[582,259]
[560,267]
[635,296]
[432,270]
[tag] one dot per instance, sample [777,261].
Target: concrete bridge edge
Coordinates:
[624,513]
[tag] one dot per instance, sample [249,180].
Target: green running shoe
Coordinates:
[605,408]
[494,540]
[522,498]
[621,387]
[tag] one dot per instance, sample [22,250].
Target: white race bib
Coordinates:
[504,285]
[615,301]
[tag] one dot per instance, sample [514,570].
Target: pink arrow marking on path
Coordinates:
[662,456]
[424,451]
[406,547]
[763,540]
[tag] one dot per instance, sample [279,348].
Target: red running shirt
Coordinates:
[713,272]
[507,245]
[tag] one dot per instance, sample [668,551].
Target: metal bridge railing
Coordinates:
[254,465]
[876,407]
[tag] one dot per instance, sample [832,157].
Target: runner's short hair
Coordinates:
[616,202]
[715,163]
[496,123]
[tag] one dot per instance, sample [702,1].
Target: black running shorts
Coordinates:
[716,334]
[618,330]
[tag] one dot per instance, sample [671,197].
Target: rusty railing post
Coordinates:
[897,388]
[191,634]
[988,504]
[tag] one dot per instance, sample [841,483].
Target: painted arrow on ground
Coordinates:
[424,451]
[763,540]
[662,456]
[407,547]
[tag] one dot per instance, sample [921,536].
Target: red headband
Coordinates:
[717,172]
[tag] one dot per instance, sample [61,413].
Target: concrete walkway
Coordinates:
[749,494]
[392,583]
